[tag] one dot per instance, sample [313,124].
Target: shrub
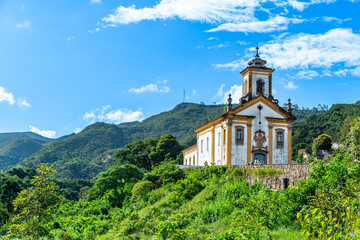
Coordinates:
[140,189]
[264,172]
[322,142]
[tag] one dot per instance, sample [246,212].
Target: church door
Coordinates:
[260,157]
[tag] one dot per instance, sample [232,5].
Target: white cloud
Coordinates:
[307,74]
[348,71]
[95,1]
[115,116]
[335,19]
[150,88]
[222,95]
[194,91]
[23,104]
[290,85]
[70,38]
[95,30]
[220,45]
[232,15]
[6,96]
[242,43]
[213,38]
[304,51]
[77,130]
[25,24]
[45,133]
[193,10]
[277,23]
[22,7]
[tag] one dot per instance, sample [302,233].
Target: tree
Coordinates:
[115,182]
[150,152]
[34,206]
[322,142]
[352,141]
[345,127]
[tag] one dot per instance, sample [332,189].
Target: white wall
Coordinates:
[190,155]
[217,152]
[238,152]
[279,154]
[204,156]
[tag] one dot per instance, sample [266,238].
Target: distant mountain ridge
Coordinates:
[16,146]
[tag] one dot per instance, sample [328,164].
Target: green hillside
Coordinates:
[83,155]
[4,137]
[15,147]
[14,151]
[328,122]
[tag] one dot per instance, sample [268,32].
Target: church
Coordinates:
[257,131]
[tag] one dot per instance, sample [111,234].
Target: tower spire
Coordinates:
[229,104]
[257,51]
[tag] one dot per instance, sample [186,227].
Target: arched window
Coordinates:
[239,136]
[194,160]
[260,87]
[185,161]
[279,138]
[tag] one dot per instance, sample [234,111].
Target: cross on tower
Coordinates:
[257,51]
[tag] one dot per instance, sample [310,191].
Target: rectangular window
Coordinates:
[239,135]
[279,138]
[219,139]
[202,149]
[207,144]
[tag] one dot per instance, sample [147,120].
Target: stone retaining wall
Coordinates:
[292,171]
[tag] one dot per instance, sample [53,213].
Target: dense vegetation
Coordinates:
[199,203]
[329,122]
[160,201]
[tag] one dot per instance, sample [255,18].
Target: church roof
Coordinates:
[288,116]
[257,62]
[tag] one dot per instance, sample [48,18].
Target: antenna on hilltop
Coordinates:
[184,96]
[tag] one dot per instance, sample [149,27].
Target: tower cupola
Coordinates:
[257,79]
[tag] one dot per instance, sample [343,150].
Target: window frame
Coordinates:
[282,132]
[239,142]
[262,86]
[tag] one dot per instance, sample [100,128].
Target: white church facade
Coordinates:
[258,130]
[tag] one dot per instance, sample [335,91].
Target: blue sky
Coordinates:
[66,64]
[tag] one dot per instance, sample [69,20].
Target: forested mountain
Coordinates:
[329,122]
[4,137]
[16,146]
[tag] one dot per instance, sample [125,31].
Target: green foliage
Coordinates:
[116,183]
[352,141]
[164,173]
[264,172]
[150,152]
[322,142]
[328,122]
[35,205]
[142,188]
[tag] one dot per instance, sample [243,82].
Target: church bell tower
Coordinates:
[257,79]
